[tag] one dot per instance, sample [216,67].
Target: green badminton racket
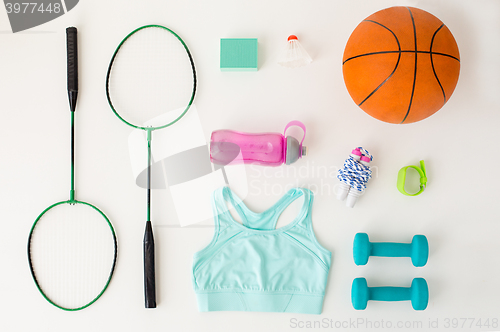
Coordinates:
[150,85]
[72,245]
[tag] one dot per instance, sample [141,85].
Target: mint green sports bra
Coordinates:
[254,267]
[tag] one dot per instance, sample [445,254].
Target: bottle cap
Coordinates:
[293,150]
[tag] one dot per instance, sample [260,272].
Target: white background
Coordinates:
[458,212]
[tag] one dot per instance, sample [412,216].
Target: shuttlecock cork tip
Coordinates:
[292,37]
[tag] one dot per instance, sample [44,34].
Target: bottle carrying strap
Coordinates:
[298,124]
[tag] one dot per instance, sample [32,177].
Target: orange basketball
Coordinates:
[401,65]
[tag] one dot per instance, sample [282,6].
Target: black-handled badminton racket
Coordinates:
[72,245]
[150,85]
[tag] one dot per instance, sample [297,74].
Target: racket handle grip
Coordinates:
[149,267]
[72,57]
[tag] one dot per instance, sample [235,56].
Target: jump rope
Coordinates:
[354,176]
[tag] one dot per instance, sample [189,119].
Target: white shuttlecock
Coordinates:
[294,55]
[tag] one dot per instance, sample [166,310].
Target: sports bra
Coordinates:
[252,266]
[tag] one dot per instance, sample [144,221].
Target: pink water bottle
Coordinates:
[268,149]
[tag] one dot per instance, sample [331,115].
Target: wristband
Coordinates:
[402,179]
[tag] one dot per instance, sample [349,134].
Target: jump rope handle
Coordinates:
[72,52]
[149,267]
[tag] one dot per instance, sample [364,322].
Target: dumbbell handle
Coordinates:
[391,249]
[389,293]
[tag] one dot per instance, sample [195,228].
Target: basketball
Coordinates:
[401,65]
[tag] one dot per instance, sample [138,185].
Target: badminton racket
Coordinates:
[150,85]
[72,244]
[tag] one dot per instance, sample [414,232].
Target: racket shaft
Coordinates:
[149,267]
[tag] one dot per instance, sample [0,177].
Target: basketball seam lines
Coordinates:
[402,51]
[432,63]
[415,70]
[395,67]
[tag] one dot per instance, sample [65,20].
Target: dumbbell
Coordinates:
[418,249]
[418,294]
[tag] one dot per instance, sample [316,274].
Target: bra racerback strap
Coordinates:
[223,195]
[261,221]
[288,199]
[306,221]
[267,220]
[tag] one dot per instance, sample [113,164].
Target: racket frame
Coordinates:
[33,274]
[150,129]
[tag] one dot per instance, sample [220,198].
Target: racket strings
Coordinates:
[151,76]
[72,254]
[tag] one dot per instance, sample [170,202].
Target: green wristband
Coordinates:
[402,179]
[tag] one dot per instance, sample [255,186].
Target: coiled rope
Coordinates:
[355,173]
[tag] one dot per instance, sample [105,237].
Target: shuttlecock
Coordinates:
[294,54]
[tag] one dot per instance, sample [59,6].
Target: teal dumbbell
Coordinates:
[418,249]
[418,294]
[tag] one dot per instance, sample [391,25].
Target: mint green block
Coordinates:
[238,54]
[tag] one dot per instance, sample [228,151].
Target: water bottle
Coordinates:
[229,147]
